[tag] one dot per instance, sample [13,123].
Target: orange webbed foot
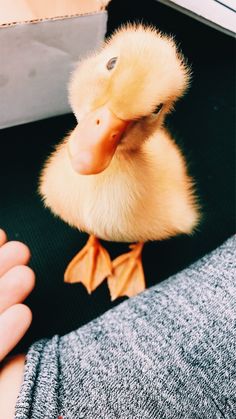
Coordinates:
[90,266]
[127,278]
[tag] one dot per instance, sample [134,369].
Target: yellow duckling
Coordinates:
[119,175]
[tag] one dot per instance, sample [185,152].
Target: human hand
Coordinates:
[16,282]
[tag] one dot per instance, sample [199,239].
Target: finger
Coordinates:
[11,377]
[11,254]
[3,237]
[15,286]
[14,322]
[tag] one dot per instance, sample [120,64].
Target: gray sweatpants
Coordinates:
[168,353]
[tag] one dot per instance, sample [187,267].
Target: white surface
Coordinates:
[229,3]
[210,12]
[36,61]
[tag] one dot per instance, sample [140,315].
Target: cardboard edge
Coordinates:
[101,10]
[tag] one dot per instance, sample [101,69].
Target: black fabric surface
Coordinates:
[204,126]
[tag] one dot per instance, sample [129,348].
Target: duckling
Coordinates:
[119,175]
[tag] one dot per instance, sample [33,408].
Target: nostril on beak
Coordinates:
[98,121]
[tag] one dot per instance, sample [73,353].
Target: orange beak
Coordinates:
[93,142]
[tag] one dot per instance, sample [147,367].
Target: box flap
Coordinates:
[36,62]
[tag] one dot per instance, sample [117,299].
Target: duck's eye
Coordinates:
[111,63]
[158,108]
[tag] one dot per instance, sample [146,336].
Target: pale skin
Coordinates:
[16,282]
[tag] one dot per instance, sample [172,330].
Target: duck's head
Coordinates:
[121,93]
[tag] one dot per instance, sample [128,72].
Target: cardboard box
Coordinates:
[37,56]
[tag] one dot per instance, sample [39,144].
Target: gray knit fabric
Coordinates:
[168,353]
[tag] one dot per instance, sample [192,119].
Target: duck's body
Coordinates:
[141,196]
[119,175]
